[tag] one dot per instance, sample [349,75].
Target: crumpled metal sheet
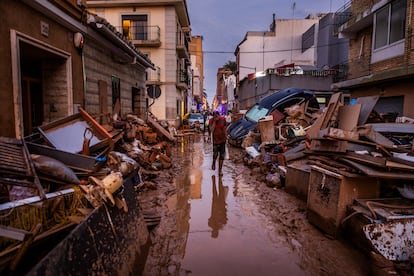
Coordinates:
[393,239]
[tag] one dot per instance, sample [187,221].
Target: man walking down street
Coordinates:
[218,131]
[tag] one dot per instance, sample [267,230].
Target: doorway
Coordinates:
[44,85]
[32,104]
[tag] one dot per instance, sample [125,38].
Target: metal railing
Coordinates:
[182,77]
[149,33]
[342,15]
[182,45]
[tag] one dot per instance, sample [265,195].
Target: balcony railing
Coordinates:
[342,16]
[338,73]
[150,36]
[183,81]
[182,45]
[341,72]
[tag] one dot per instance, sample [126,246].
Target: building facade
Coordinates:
[302,53]
[58,59]
[381,59]
[161,30]
[279,46]
[197,99]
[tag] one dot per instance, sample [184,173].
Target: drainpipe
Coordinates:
[84,79]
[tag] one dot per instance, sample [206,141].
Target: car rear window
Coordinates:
[196,116]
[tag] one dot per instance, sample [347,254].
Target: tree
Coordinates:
[231,65]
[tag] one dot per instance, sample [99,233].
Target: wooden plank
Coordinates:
[330,111]
[18,168]
[332,169]
[401,161]
[365,143]
[378,174]
[330,145]
[367,159]
[32,170]
[17,182]
[323,121]
[97,127]
[397,165]
[25,246]
[367,105]
[368,132]
[348,116]
[338,133]
[393,127]
[160,129]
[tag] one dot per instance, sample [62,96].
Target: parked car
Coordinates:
[279,100]
[194,120]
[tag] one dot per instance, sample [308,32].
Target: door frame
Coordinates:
[16,38]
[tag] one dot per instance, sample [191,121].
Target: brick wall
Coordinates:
[360,55]
[360,47]
[56,91]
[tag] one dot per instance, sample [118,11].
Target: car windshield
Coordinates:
[256,113]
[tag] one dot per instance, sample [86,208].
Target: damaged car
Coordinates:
[279,100]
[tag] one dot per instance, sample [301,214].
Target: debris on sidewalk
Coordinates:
[51,177]
[333,159]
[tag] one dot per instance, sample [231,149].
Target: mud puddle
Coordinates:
[223,231]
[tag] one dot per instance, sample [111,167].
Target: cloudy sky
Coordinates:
[224,23]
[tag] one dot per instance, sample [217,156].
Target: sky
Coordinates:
[224,23]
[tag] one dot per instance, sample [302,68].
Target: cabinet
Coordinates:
[297,180]
[329,195]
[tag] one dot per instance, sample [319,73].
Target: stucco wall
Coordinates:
[263,50]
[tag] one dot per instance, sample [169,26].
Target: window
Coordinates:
[390,24]
[389,31]
[135,27]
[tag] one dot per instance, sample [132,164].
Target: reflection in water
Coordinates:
[218,216]
[246,246]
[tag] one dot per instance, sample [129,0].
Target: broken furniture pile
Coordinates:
[353,167]
[52,180]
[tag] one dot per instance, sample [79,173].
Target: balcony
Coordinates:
[342,16]
[150,37]
[356,17]
[183,81]
[154,77]
[182,46]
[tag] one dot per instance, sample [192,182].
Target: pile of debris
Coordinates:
[353,167]
[55,178]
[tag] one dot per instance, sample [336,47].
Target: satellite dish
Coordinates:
[154,91]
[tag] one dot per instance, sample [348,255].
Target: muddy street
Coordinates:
[235,224]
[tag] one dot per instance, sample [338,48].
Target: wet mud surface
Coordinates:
[282,216]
